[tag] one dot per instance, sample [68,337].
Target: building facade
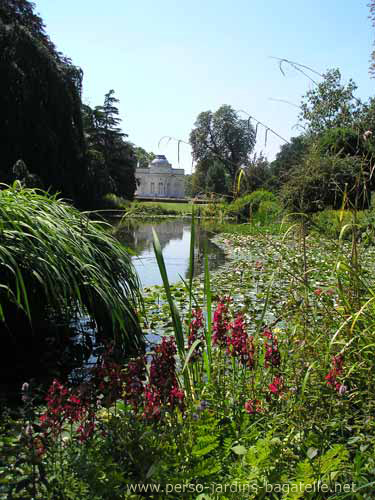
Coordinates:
[160,180]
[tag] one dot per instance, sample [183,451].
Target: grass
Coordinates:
[57,266]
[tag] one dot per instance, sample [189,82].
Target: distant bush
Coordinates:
[152,209]
[113,201]
[249,204]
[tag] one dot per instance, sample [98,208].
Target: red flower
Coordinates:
[337,370]
[152,405]
[135,375]
[272,355]
[237,341]
[196,331]
[276,386]
[253,406]
[163,368]
[62,406]
[176,397]
[221,322]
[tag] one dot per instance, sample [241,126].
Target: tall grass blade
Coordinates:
[264,310]
[176,320]
[208,297]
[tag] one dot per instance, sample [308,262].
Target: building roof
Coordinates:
[160,161]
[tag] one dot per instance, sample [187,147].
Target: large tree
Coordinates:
[330,104]
[222,136]
[112,158]
[40,102]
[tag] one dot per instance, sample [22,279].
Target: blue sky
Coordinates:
[169,60]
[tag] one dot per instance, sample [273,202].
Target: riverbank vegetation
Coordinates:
[262,376]
[65,284]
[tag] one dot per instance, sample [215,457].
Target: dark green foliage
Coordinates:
[40,102]
[143,157]
[257,173]
[290,156]
[111,159]
[340,161]
[325,181]
[222,136]
[243,208]
[345,142]
[217,179]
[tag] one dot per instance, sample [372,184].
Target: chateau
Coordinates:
[160,180]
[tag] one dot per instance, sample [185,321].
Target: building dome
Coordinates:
[159,161]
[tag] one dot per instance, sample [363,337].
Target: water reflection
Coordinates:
[174,236]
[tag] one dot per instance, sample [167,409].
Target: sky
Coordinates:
[169,60]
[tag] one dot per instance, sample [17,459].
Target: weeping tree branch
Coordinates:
[267,129]
[298,67]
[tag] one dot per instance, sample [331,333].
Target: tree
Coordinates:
[217,179]
[188,185]
[143,157]
[330,104]
[290,156]
[222,136]
[112,158]
[257,174]
[40,101]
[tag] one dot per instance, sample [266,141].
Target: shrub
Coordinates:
[322,181]
[151,209]
[244,206]
[112,201]
[61,275]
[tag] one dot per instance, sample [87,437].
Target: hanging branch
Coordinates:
[284,101]
[261,124]
[298,67]
[179,141]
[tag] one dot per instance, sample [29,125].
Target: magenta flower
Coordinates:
[221,322]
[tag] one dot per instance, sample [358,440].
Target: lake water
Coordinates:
[174,237]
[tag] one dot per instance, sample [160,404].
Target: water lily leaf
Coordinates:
[311,453]
[239,450]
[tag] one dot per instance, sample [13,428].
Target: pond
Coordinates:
[174,236]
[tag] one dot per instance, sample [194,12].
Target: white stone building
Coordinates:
[160,180]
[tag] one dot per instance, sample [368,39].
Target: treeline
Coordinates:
[49,138]
[330,161]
